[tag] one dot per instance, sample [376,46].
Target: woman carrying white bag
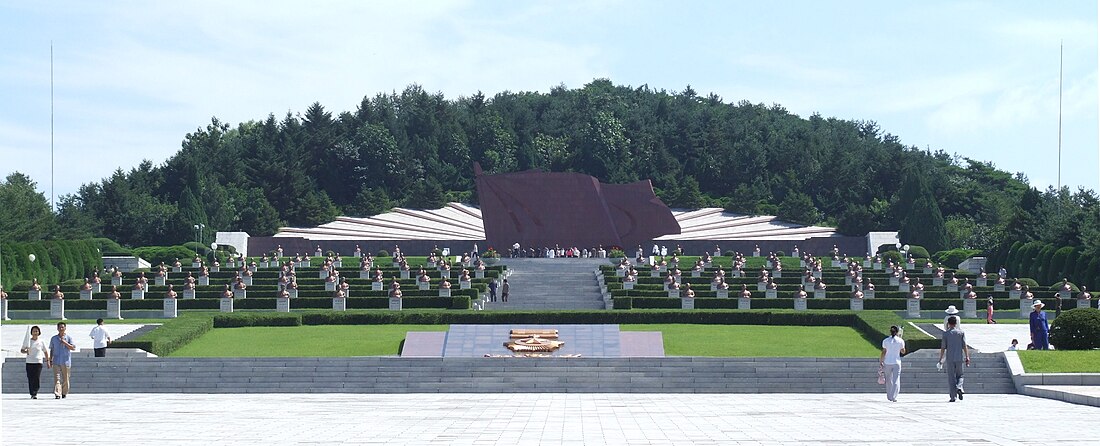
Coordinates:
[889,362]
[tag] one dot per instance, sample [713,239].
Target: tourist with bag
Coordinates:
[893,347]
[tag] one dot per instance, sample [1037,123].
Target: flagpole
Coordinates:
[53,204]
[1060,116]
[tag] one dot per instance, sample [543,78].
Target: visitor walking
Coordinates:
[954,354]
[61,345]
[890,360]
[989,311]
[37,354]
[504,291]
[492,290]
[100,337]
[1040,330]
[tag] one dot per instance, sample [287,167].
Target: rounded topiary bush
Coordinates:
[1058,287]
[1028,281]
[918,252]
[1077,329]
[780,254]
[616,254]
[729,253]
[891,255]
[383,253]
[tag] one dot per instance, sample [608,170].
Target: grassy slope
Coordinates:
[313,340]
[1061,361]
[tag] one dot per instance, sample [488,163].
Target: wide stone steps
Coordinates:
[415,375]
[552,284]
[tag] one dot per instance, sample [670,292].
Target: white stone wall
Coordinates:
[238,240]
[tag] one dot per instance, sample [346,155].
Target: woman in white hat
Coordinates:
[952,311]
[1040,330]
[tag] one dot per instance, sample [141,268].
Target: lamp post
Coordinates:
[198,230]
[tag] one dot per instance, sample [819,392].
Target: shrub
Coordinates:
[1077,329]
[780,254]
[198,248]
[232,320]
[953,257]
[729,253]
[891,255]
[1029,282]
[1058,287]
[885,248]
[384,253]
[167,254]
[171,335]
[616,254]
[107,245]
[918,252]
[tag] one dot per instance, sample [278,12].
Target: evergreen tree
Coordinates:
[921,221]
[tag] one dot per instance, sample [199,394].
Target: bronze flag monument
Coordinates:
[539,209]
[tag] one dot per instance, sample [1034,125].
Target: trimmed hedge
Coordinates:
[251,303]
[172,335]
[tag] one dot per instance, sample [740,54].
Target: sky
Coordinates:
[979,79]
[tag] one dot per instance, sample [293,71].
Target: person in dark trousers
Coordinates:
[953,355]
[492,291]
[37,355]
[504,291]
[100,338]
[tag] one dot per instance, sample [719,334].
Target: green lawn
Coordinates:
[680,340]
[759,340]
[1052,361]
[303,341]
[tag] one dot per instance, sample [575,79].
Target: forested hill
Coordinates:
[416,149]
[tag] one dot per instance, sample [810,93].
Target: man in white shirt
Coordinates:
[100,338]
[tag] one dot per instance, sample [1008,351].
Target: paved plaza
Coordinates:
[547,419]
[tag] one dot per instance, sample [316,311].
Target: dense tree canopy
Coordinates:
[415,148]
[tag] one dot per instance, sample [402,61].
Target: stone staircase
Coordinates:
[133,374]
[552,284]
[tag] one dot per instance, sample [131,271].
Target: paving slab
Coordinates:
[555,418]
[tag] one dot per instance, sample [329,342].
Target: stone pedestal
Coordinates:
[247,280]
[204,280]
[114,308]
[819,294]
[322,273]
[330,286]
[735,273]
[770,294]
[628,285]
[983,282]
[855,304]
[869,294]
[240,294]
[160,280]
[293,293]
[1064,295]
[97,288]
[444,292]
[137,294]
[177,269]
[305,264]
[927,270]
[423,286]
[673,293]
[744,303]
[912,307]
[723,294]
[282,304]
[937,281]
[620,273]
[463,285]
[85,294]
[877,265]
[910,266]
[1081,303]
[1014,294]
[654,273]
[188,294]
[894,281]
[953,288]
[1025,307]
[116,281]
[215,269]
[57,309]
[662,269]
[970,308]
[479,274]
[848,280]
[405,274]
[687,303]
[170,308]
[696,273]
[376,286]
[799,304]
[226,305]
[196,265]
[339,304]
[777,274]
[395,304]
[34,295]
[903,287]
[4,309]
[998,287]
[760,286]
[364,274]
[866,263]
